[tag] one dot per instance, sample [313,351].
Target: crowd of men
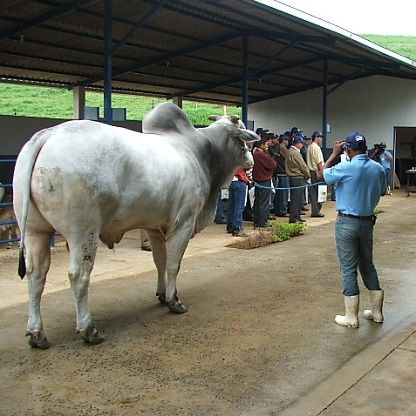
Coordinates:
[293,180]
[285,177]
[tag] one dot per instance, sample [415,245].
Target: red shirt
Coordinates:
[264,166]
[241,175]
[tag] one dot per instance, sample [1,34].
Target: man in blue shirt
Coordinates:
[360,182]
[385,158]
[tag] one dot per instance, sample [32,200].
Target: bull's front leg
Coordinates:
[175,249]
[81,265]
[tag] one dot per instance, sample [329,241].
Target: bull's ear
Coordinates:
[234,119]
[248,136]
[213,118]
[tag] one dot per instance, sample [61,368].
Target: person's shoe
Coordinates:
[283,215]
[305,209]
[350,319]
[375,313]
[236,233]
[318,215]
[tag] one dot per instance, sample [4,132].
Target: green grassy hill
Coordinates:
[30,101]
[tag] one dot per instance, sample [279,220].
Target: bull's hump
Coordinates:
[167,118]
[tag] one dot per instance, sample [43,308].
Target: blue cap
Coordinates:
[298,139]
[317,134]
[355,141]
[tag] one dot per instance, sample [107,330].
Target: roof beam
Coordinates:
[163,58]
[138,25]
[58,12]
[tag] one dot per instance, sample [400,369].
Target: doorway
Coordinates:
[404,148]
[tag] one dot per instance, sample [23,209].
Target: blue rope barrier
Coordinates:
[308,185]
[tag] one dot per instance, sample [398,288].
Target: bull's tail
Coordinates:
[27,157]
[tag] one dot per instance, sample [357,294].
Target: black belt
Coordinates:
[369,217]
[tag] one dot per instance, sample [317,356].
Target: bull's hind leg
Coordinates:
[38,260]
[158,244]
[82,257]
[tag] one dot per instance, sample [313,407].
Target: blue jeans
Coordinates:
[236,204]
[282,196]
[354,242]
[220,213]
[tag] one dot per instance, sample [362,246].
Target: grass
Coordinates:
[31,101]
[403,45]
[276,232]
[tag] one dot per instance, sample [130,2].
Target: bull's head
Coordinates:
[238,132]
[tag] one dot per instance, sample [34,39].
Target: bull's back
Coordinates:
[95,175]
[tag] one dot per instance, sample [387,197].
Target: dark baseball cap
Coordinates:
[355,140]
[260,130]
[298,139]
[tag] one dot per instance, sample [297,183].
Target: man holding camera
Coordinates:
[385,158]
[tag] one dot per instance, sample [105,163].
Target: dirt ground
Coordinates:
[260,332]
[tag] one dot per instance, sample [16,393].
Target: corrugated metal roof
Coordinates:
[192,49]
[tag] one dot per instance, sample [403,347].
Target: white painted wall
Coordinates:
[373,106]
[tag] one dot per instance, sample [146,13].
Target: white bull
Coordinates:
[92,181]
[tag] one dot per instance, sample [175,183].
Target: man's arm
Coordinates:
[336,153]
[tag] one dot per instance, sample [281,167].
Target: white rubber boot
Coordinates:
[350,319]
[375,313]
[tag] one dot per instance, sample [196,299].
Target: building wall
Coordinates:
[374,106]
[16,131]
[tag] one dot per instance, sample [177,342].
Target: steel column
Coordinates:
[325,107]
[244,104]
[108,61]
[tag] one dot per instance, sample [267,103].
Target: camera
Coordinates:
[378,148]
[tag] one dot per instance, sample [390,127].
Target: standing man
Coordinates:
[385,158]
[237,198]
[282,193]
[360,183]
[315,161]
[298,173]
[264,166]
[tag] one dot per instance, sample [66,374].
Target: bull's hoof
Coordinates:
[38,340]
[162,298]
[177,307]
[91,336]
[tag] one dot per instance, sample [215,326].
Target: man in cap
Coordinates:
[315,161]
[294,131]
[282,194]
[264,166]
[298,173]
[360,183]
[385,158]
